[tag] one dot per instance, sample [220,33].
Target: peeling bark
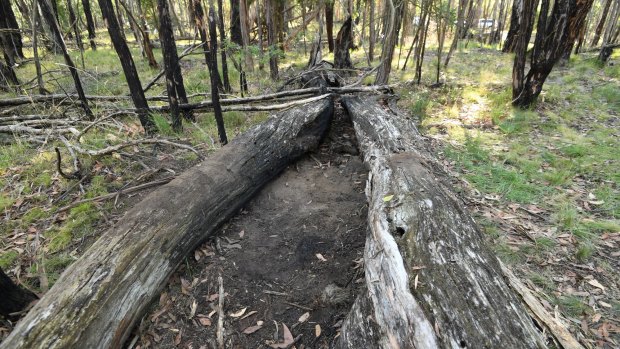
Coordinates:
[430,280]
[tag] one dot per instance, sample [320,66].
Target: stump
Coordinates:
[98,299]
[430,280]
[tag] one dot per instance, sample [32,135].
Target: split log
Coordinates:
[98,299]
[430,280]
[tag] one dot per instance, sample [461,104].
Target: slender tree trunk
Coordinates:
[90,24]
[245,33]
[35,47]
[371,30]
[51,20]
[458,32]
[562,27]
[395,11]
[601,23]
[76,29]
[14,298]
[144,35]
[175,17]
[129,68]
[215,94]
[422,45]
[271,39]
[235,22]
[220,23]
[174,78]
[329,24]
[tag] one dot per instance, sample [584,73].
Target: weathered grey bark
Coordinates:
[98,299]
[128,65]
[395,11]
[430,280]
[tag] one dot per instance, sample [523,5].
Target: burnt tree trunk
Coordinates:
[220,23]
[214,75]
[562,27]
[271,39]
[329,24]
[395,10]
[49,17]
[129,68]
[430,280]
[10,36]
[90,24]
[344,42]
[235,23]
[371,31]
[98,299]
[144,35]
[601,24]
[517,31]
[14,298]
[74,26]
[174,77]
[7,75]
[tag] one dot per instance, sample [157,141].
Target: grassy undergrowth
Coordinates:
[548,175]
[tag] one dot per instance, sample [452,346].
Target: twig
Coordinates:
[100,120]
[297,306]
[117,147]
[220,314]
[275,293]
[124,191]
[557,329]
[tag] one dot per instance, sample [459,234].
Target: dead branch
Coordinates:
[117,147]
[120,192]
[35,131]
[220,314]
[74,175]
[125,112]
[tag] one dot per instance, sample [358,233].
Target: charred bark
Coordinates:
[220,24]
[14,298]
[235,23]
[431,282]
[129,68]
[214,74]
[329,24]
[7,75]
[520,27]
[90,24]
[344,42]
[98,299]
[10,35]
[561,29]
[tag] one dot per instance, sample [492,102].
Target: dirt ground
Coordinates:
[290,262]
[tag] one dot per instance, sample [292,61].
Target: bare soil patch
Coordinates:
[294,249]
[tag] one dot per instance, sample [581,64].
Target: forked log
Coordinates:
[430,280]
[100,296]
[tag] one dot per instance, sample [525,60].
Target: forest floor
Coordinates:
[543,183]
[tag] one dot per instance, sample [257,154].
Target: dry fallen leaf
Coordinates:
[248,314]
[304,317]
[286,341]
[317,330]
[238,313]
[415,282]
[388,198]
[595,283]
[320,257]
[204,321]
[252,329]
[212,297]
[193,309]
[185,286]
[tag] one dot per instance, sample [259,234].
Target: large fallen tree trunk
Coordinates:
[100,296]
[430,280]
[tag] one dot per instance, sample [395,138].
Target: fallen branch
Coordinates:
[118,193]
[557,329]
[36,131]
[220,314]
[117,147]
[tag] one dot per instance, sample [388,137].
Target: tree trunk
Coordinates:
[460,26]
[245,34]
[177,21]
[35,47]
[129,68]
[391,38]
[144,35]
[98,299]
[90,24]
[7,75]
[49,17]
[516,31]
[271,39]
[74,25]
[430,281]
[344,42]
[329,23]
[371,32]
[601,24]
[14,298]
[10,36]
[562,29]
[214,73]
[235,22]
[220,22]
[174,77]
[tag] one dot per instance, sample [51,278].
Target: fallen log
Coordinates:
[430,280]
[98,299]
